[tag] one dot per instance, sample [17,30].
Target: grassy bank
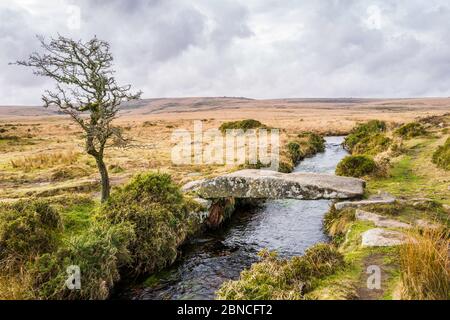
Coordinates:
[137,231]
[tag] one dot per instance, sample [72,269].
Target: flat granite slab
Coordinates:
[266,184]
[379,237]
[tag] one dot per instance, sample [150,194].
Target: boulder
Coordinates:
[265,184]
[379,237]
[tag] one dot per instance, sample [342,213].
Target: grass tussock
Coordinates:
[441,157]
[273,278]
[425,266]
[45,160]
[69,172]
[410,130]
[336,223]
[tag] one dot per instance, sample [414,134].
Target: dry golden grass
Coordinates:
[45,160]
[425,266]
[150,131]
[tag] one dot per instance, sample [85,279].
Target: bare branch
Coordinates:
[86,89]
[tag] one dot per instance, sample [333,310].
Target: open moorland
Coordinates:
[399,147]
[42,151]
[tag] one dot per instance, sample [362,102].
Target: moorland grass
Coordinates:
[273,278]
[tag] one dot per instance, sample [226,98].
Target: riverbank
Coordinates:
[138,231]
[151,215]
[289,226]
[391,247]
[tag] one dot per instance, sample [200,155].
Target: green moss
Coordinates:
[441,157]
[411,130]
[78,216]
[401,179]
[157,278]
[159,214]
[243,124]
[356,166]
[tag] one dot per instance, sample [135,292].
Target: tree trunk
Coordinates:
[104,178]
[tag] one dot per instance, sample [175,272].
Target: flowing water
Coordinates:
[287,226]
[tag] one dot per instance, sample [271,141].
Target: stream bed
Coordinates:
[287,226]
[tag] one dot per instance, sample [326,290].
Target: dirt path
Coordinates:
[376,259]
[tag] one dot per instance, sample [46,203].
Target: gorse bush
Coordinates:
[410,130]
[159,215]
[441,157]
[314,143]
[99,252]
[356,166]
[275,278]
[27,229]
[295,152]
[35,254]
[363,131]
[242,124]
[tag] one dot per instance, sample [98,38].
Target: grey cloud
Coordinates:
[261,49]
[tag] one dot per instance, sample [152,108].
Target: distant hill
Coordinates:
[199,104]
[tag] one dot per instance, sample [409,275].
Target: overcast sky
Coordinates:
[251,48]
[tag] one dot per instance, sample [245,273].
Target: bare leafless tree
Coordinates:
[85,90]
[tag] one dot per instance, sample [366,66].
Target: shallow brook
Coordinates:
[287,226]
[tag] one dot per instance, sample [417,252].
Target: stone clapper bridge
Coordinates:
[266,184]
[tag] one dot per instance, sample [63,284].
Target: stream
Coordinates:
[287,226]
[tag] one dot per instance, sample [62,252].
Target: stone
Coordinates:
[374,200]
[206,204]
[379,237]
[379,220]
[265,184]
